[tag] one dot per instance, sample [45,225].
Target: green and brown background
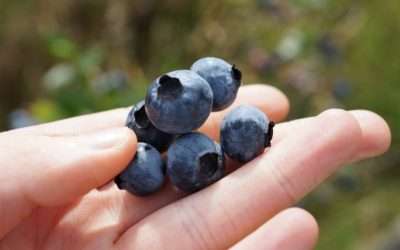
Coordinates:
[70,57]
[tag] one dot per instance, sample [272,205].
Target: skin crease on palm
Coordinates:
[55,189]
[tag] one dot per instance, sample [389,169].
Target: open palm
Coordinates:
[54,192]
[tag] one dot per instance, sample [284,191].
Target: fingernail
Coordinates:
[106,139]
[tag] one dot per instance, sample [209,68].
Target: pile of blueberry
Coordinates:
[178,103]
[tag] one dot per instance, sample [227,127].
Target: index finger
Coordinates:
[269,99]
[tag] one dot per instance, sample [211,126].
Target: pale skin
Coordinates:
[55,189]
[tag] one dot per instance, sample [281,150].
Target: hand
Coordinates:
[51,174]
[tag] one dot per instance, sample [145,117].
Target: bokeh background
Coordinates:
[69,57]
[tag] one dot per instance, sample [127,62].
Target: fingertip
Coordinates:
[128,139]
[376,134]
[267,98]
[111,152]
[309,225]
[276,105]
[125,150]
[345,127]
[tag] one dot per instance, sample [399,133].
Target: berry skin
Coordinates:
[223,78]
[179,102]
[245,133]
[145,173]
[194,162]
[145,131]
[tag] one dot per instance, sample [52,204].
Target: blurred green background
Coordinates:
[69,57]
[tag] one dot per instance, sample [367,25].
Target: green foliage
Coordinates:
[61,47]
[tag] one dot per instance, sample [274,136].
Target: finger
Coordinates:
[293,228]
[79,125]
[242,201]
[52,171]
[269,99]
[376,135]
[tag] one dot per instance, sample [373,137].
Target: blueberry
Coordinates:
[145,131]
[145,173]
[179,102]
[194,162]
[223,78]
[245,133]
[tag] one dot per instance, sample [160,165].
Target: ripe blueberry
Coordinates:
[245,132]
[179,102]
[144,174]
[145,131]
[223,78]
[194,162]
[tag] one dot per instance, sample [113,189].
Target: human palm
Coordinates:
[54,192]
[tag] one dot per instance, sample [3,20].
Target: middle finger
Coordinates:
[219,216]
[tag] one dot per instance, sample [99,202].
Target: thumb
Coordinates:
[52,171]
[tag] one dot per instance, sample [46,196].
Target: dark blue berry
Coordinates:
[224,79]
[245,133]
[144,174]
[145,131]
[179,102]
[194,162]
